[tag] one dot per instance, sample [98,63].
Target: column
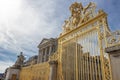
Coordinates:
[45,55]
[38,60]
[50,49]
[114,53]
[53,70]
[41,56]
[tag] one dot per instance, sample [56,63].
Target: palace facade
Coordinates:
[46,48]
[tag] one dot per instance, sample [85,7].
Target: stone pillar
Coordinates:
[45,55]
[114,53]
[41,56]
[38,60]
[50,50]
[53,70]
[41,53]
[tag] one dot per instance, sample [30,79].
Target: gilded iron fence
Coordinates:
[81,51]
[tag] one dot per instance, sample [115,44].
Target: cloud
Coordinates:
[23,24]
[4,65]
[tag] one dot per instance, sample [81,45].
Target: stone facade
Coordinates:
[46,48]
[114,52]
[12,74]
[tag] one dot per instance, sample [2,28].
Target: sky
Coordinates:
[24,23]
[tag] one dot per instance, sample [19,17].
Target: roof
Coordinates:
[45,40]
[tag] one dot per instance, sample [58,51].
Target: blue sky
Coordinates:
[23,23]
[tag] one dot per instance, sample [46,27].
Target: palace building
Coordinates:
[85,50]
[46,48]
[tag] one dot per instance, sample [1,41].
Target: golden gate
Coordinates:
[82,43]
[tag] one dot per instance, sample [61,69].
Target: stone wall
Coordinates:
[35,72]
[114,53]
[11,72]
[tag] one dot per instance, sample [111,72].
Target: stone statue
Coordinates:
[20,60]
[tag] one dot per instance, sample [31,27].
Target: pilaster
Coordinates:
[53,70]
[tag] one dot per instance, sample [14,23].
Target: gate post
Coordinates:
[114,53]
[53,70]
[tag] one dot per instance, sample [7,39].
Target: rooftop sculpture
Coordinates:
[19,61]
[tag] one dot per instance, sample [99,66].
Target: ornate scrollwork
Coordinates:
[53,57]
[79,14]
[114,38]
